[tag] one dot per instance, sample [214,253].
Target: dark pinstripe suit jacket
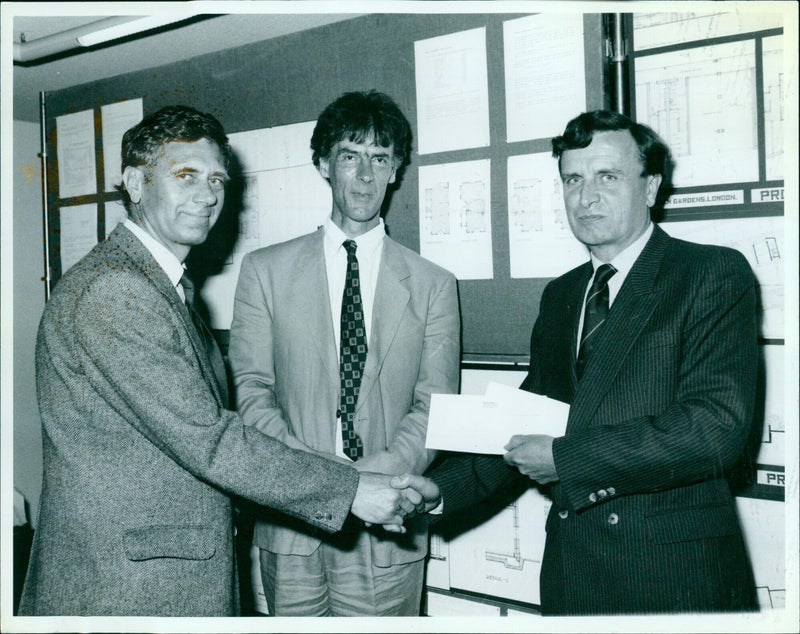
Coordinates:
[643,518]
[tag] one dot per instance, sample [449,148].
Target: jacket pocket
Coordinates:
[175,542]
[692,523]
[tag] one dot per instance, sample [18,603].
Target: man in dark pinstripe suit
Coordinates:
[643,519]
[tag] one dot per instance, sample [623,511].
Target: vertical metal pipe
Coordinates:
[619,60]
[45,198]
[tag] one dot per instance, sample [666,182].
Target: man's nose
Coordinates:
[589,193]
[365,172]
[204,193]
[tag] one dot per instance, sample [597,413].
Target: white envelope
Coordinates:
[484,423]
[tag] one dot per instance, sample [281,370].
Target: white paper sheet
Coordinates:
[484,423]
[78,233]
[76,160]
[115,213]
[702,102]
[456,219]
[761,241]
[117,118]
[544,73]
[541,244]
[452,92]
[284,197]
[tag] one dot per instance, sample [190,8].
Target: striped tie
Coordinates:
[594,315]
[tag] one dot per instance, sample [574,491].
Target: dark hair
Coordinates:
[654,153]
[142,143]
[357,115]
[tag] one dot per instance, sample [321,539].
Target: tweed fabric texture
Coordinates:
[140,456]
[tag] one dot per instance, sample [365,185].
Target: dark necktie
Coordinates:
[594,315]
[207,337]
[352,354]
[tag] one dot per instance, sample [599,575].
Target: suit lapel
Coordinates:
[147,264]
[313,303]
[391,298]
[631,311]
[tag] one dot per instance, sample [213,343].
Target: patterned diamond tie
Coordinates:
[207,337]
[594,314]
[352,353]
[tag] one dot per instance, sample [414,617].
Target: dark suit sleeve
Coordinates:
[465,480]
[136,353]
[706,380]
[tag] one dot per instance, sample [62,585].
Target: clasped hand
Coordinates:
[532,454]
[387,500]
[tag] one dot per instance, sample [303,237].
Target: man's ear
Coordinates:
[133,179]
[653,183]
[323,168]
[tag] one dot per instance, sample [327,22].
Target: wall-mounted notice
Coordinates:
[702,101]
[775,87]
[452,92]
[541,243]
[75,149]
[544,72]
[283,196]
[116,119]
[455,221]
[652,30]
[760,240]
[115,213]
[78,233]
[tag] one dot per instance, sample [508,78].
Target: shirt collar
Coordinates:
[166,259]
[367,242]
[625,259]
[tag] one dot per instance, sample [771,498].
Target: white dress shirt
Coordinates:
[623,262]
[369,250]
[166,259]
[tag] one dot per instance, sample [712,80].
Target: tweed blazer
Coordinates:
[643,518]
[140,457]
[286,369]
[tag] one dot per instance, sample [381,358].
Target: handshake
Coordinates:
[388,500]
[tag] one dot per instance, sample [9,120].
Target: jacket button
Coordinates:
[611,491]
[602,493]
[563,514]
[593,497]
[613,519]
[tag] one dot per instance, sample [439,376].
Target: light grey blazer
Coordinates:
[285,365]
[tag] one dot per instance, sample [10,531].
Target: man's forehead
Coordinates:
[367,142]
[613,146]
[180,151]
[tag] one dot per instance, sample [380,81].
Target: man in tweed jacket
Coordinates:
[140,453]
[643,519]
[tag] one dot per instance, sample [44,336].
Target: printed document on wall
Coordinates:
[761,241]
[455,219]
[502,557]
[452,92]
[541,243]
[280,196]
[117,118]
[78,233]
[702,102]
[76,161]
[544,72]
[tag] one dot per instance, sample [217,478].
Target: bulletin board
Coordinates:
[289,80]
